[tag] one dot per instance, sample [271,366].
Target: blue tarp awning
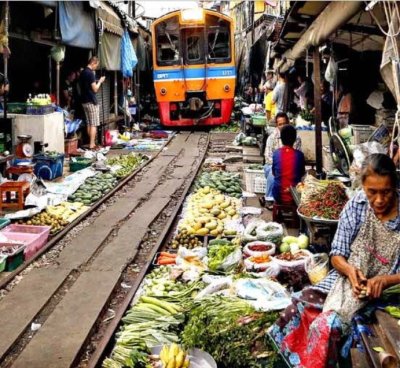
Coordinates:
[128,56]
[77,24]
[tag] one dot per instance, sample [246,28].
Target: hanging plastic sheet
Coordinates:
[77,25]
[128,56]
[110,51]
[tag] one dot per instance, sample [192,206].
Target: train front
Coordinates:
[194,70]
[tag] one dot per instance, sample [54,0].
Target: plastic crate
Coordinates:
[14,259]
[16,107]
[39,110]
[49,167]
[3,263]
[361,133]
[4,222]
[255,181]
[79,163]
[33,237]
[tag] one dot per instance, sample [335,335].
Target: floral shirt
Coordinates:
[274,142]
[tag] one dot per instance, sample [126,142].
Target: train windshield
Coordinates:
[168,50]
[194,50]
[218,39]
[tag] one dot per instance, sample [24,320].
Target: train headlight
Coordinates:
[163,91]
[227,88]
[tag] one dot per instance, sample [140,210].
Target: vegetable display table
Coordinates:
[321,233]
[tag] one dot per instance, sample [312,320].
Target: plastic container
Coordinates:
[255,181]
[361,133]
[79,163]
[33,237]
[3,263]
[4,222]
[49,167]
[16,107]
[14,259]
[249,252]
[317,267]
[70,146]
[259,120]
[39,110]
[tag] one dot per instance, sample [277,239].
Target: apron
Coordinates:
[374,251]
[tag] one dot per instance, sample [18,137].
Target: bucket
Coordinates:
[111,137]
[317,267]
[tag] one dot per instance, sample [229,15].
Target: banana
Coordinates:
[180,359]
[171,363]
[186,363]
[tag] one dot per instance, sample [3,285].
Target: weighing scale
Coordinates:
[24,148]
[341,154]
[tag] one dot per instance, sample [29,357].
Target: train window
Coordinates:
[168,48]
[218,39]
[218,45]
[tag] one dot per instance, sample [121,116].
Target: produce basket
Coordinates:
[259,120]
[3,262]
[79,163]
[49,167]
[318,220]
[39,110]
[33,237]
[255,181]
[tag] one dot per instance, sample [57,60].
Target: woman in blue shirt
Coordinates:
[365,255]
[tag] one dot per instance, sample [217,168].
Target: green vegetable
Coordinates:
[162,304]
[217,255]
[231,331]
[393,311]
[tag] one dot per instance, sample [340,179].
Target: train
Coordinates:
[194,67]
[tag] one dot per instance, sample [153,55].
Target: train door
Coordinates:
[193,47]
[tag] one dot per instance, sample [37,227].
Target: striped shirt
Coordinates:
[288,167]
[350,221]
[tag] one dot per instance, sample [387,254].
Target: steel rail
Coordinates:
[104,344]
[54,240]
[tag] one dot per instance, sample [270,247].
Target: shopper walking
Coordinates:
[89,87]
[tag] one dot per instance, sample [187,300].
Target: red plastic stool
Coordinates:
[286,213]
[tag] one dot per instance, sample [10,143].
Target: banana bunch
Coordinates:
[206,211]
[173,357]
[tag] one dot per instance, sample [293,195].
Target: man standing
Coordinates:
[279,95]
[89,88]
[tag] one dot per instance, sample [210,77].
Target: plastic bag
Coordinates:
[250,232]
[317,267]
[215,286]
[247,251]
[263,294]
[270,232]
[360,152]
[232,261]
[331,71]
[269,269]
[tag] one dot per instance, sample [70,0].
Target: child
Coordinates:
[288,166]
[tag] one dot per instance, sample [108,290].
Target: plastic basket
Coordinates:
[4,222]
[255,181]
[79,163]
[48,167]
[3,263]
[33,237]
[259,120]
[16,107]
[39,110]
[14,259]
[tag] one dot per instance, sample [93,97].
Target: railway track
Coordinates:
[64,311]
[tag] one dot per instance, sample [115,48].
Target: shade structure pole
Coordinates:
[58,83]
[318,113]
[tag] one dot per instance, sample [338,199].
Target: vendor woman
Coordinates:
[365,256]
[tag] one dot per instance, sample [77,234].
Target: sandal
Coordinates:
[262,201]
[269,205]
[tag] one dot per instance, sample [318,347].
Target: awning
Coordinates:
[336,14]
[110,19]
[110,51]
[77,25]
